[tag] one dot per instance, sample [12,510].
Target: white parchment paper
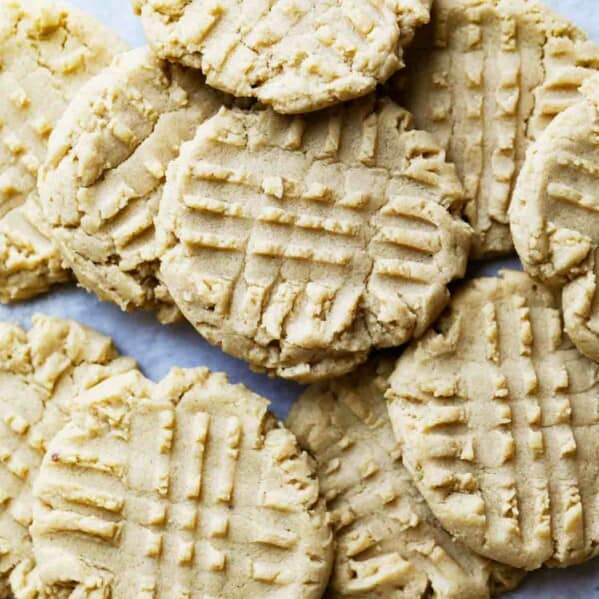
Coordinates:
[158,348]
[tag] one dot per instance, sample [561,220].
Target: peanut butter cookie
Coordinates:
[185,489]
[498,416]
[103,178]
[301,243]
[297,56]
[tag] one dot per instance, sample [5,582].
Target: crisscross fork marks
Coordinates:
[323,258]
[508,420]
[192,495]
[296,56]
[103,180]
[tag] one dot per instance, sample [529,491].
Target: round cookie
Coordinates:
[555,215]
[186,488]
[295,56]
[102,182]
[498,415]
[300,243]
[388,543]
[486,77]
[48,51]
[41,371]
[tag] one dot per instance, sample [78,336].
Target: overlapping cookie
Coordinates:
[486,77]
[48,51]
[498,415]
[188,488]
[41,371]
[388,543]
[296,56]
[299,244]
[102,182]
[555,215]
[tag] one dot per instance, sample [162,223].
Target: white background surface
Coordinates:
[158,348]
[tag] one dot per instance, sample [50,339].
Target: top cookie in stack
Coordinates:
[295,55]
[300,244]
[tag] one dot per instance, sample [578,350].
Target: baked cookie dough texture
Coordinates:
[103,178]
[498,416]
[388,543]
[487,77]
[41,371]
[185,488]
[301,243]
[296,55]
[48,51]
[555,215]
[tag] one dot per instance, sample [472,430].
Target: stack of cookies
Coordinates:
[302,181]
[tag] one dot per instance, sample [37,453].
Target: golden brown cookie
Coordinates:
[48,51]
[388,543]
[102,182]
[188,488]
[41,372]
[296,56]
[555,215]
[299,244]
[486,77]
[498,415]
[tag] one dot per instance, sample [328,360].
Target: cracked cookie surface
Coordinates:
[555,215]
[486,77]
[48,51]
[296,55]
[41,373]
[300,243]
[498,415]
[187,488]
[103,179]
[388,542]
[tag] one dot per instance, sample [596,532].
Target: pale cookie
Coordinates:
[188,488]
[41,371]
[555,215]
[47,51]
[499,418]
[296,55]
[103,179]
[486,77]
[388,543]
[299,244]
